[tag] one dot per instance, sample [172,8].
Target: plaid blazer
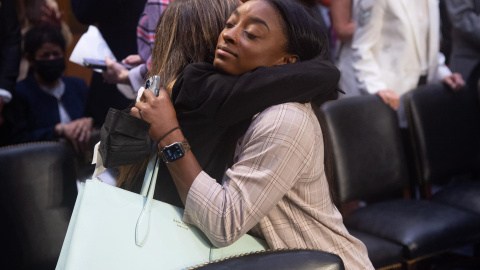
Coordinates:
[277,188]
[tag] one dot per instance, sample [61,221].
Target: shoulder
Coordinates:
[21,86]
[287,112]
[291,123]
[199,69]
[25,87]
[200,82]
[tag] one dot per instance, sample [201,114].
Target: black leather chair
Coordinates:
[300,259]
[445,133]
[383,254]
[37,195]
[371,167]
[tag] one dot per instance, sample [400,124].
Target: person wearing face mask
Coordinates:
[48,105]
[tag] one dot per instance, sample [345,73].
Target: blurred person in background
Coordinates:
[319,10]
[10,53]
[344,15]
[117,22]
[33,13]
[46,105]
[116,72]
[396,49]
[324,6]
[465,29]
[445,31]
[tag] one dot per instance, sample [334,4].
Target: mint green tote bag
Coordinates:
[112,228]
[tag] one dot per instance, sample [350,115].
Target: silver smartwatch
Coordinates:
[174,151]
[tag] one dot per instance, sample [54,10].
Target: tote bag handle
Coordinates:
[148,189]
[152,168]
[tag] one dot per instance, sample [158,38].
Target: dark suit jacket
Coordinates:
[35,113]
[117,21]
[10,50]
[465,22]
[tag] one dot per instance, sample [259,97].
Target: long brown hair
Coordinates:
[187,32]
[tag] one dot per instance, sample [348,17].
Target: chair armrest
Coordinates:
[299,259]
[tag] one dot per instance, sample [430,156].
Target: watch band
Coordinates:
[174,151]
[186,145]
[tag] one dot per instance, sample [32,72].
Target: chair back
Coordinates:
[445,131]
[369,156]
[37,196]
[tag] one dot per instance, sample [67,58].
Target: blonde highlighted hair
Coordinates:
[187,32]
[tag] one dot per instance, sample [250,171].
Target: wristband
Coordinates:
[166,134]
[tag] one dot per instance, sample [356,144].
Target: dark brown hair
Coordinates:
[39,35]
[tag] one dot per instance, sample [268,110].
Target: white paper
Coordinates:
[91,45]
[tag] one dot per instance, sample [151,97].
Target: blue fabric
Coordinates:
[36,113]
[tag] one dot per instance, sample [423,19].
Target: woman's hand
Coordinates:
[133,60]
[51,15]
[78,133]
[115,72]
[390,98]
[454,81]
[158,111]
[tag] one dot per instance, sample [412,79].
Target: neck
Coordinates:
[44,83]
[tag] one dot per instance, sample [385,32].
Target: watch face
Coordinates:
[173,152]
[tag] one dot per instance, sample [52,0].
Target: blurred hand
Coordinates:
[454,81]
[115,73]
[390,98]
[133,60]
[78,133]
[51,15]
[158,111]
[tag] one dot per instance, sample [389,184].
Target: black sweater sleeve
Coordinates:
[228,100]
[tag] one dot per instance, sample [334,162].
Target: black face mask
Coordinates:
[124,139]
[49,70]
